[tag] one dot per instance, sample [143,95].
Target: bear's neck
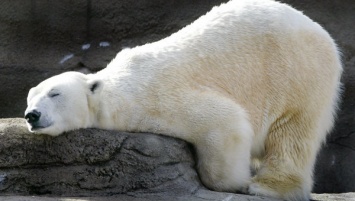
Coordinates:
[123,104]
[113,111]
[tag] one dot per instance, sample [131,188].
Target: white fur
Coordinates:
[252,80]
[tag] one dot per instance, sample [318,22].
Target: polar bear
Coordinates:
[253,85]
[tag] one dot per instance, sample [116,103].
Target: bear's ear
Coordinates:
[95,86]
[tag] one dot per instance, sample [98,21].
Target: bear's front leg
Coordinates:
[222,135]
[223,160]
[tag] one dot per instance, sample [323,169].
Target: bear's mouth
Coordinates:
[36,127]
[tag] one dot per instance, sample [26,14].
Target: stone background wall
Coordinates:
[40,38]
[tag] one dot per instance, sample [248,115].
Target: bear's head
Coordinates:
[61,103]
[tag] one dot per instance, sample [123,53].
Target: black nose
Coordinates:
[33,116]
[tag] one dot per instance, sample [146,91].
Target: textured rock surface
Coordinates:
[200,196]
[91,162]
[95,162]
[334,197]
[41,38]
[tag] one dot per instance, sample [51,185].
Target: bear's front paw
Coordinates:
[260,190]
[243,190]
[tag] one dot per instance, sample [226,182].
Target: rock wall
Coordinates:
[41,38]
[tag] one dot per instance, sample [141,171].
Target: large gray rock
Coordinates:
[41,38]
[200,196]
[334,197]
[92,162]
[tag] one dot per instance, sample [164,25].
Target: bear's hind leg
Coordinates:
[290,151]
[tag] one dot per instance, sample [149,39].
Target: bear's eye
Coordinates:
[54,95]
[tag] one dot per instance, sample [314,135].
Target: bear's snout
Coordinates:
[33,116]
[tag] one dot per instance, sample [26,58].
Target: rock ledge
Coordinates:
[99,165]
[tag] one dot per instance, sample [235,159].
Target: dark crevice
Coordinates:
[343,145]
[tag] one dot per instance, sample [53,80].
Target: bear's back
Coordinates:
[266,56]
